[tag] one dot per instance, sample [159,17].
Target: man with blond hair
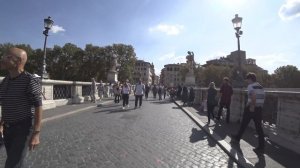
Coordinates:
[20,97]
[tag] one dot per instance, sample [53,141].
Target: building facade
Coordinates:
[144,71]
[171,76]
[234,59]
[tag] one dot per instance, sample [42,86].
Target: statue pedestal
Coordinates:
[190,79]
[112,76]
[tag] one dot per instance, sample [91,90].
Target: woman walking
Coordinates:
[117,92]
[125,94]
[191,96]
[185,96]
[211,100]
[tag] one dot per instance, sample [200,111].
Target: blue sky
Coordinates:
[162,31]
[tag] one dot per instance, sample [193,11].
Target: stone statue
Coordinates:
[115,62]
[190,77]
[112,75]
[190,61]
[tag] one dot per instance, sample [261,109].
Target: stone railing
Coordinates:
[58,93]
[281,114]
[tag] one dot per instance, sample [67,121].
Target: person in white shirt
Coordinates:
[253,110]
[100,90]
[126,90]
[93,90]
[138,93]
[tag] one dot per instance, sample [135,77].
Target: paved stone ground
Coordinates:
[157,135]
[275,156]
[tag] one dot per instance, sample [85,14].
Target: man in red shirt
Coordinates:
[226,93]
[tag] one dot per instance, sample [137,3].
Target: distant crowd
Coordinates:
[253,109]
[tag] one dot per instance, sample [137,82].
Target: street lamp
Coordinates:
[47,24]
[237,24]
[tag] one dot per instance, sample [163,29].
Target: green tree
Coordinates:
[127,59]
[287,77]
[72,63]
[262,76]
[213,73]
[62,62]
[32,65]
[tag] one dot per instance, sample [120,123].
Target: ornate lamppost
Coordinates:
[237,24]
[47,24]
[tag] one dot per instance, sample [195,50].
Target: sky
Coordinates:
[162,31]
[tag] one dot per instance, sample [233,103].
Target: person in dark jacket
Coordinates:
[147,89]
[154,91]
[211,100]
[226,93]
[179,90]
[185,95]
[191,96]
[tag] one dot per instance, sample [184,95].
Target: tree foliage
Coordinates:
[70,62]
[213,73]
[287,77]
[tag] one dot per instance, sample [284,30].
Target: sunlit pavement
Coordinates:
[158,134]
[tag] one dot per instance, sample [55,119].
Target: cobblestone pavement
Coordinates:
[156,135]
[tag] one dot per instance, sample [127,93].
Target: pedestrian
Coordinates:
[129,85]
[154,91]
[100,90]
[160,92]
[211,100]
[185,95]
[165,91]
[21,101]
[191,96]
[179,90]
[126,91]
[147,89]
[117,92]
[225,98]
[111,90]
[93,90]
[138,93]
[253,110]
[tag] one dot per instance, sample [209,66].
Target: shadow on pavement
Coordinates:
[199,135]
[109,105]
[279,154]
[119,110]
[218,128]
[161,102]
[237,150]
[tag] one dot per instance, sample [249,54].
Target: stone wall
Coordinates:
[281,114]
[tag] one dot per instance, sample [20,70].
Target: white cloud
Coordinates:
[57,29]
[272,61]
[172,58]
[171,30]
[290,10]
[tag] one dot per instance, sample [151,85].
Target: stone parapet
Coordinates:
[281,115]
